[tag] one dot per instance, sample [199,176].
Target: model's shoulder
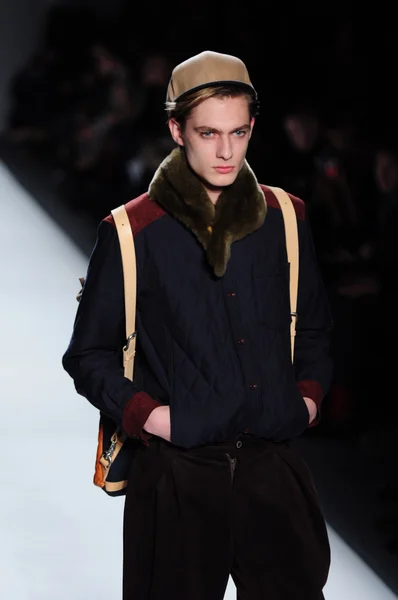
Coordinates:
[299,205]
[141,211]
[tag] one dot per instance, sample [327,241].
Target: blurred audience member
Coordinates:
[386,175]
[323,169]
[301,125]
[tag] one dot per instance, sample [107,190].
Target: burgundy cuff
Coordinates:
[312,389]
[136,413]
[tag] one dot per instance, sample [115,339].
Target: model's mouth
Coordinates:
[224,169]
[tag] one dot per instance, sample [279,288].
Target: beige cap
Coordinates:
[207,69]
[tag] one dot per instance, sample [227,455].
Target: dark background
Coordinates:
[83,127]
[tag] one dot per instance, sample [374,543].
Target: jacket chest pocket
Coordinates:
[272,298]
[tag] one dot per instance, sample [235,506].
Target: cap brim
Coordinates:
[238,84]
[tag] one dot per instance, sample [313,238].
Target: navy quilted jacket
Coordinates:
[213,317]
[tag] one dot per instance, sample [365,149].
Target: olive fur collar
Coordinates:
[240,208]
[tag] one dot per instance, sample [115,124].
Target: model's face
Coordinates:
[215,138]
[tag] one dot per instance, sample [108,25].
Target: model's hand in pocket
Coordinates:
[312,408]
[158,423]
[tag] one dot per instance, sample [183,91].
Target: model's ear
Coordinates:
[176,133]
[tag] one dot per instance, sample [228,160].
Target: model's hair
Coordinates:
[180,110]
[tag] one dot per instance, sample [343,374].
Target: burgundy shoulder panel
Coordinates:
[298,204]
[142,211]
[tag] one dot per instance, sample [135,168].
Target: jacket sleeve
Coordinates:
[313,365]
[94,357]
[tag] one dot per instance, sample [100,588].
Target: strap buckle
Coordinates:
[131,336]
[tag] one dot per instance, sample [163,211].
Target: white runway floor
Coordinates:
[61,536]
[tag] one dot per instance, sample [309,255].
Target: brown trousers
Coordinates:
[247,508]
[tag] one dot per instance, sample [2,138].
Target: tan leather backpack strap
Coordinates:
[292,246]
[127,248]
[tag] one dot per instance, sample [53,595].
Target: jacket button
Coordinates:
[231,294]
[253,386]
[241,341]
[246,430]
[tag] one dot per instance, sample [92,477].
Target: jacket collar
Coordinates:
[239,211]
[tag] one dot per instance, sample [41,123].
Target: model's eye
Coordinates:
[240,132]
[206,134]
